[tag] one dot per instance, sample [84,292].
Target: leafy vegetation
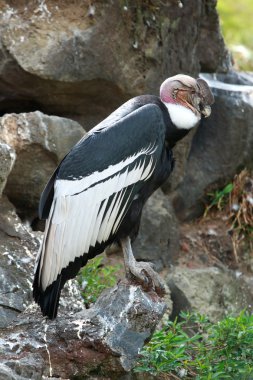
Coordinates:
[94,278]
[196,349]
[237,28]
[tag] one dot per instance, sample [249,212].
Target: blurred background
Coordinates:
[236,19]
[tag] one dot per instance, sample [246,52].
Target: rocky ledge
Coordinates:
[105,339]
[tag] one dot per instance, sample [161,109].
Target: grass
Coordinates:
[218,198]
[94,278]
[237,28]
[196,349]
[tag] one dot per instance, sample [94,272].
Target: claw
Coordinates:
[141,272]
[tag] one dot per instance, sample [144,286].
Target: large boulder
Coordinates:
[102,342]
[32,144]
[222,145]
[67,59]
[210,291]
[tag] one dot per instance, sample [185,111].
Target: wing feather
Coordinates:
[120,215]
[92,225]
[116,184]
[98,222]
[84,216]
[112,213]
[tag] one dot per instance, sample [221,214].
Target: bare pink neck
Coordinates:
[168,99]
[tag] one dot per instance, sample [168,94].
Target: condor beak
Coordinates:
[206,111]
[206,97]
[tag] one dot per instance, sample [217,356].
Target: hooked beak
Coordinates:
[200,106]
[206,97]
[206,111]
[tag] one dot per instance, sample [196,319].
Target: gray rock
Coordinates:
[54,59]
[105,338]
[7,159]
[210,291]
[17,247]
[39,142]
[158,238]
[212,54]
[6,373]
[222,145]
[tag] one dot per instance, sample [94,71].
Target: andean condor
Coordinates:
[96,195]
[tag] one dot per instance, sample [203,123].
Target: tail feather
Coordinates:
[48,300]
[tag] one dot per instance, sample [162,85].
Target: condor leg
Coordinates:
[140,272]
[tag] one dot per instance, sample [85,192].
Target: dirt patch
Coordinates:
[205,242]
[209,242]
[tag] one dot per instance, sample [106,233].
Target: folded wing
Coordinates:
[89,211]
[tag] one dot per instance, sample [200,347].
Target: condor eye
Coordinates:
[174,93]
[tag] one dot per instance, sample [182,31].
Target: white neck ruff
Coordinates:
[182,117]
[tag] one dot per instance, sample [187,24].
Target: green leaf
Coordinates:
[215,351]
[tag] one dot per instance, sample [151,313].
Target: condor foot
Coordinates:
[143,273]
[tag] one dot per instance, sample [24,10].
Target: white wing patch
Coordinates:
[80,215]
